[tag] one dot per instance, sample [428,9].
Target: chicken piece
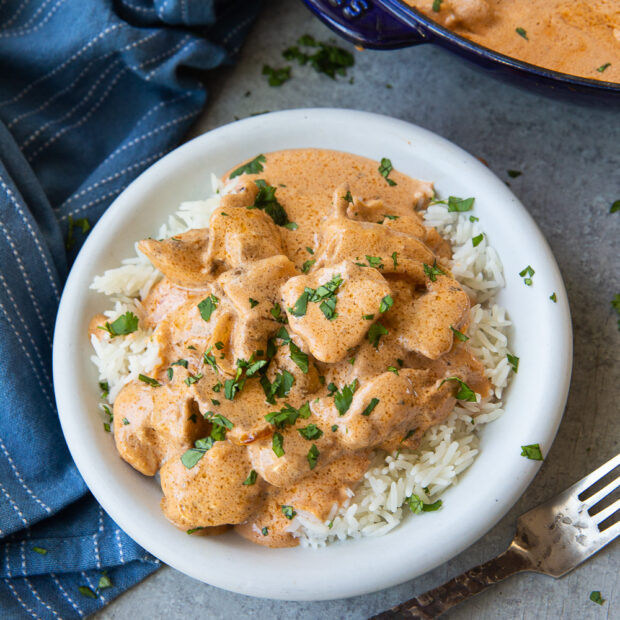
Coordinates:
[151,423]
[346,239]
[319,494]
[95,325]
[180,258]
[384,409]
[288,469]
[212,492]
[239,236]
[425,326]
[255,322]
[359,294]
[163,299]
[246,412]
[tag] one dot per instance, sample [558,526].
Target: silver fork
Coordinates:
[553,539]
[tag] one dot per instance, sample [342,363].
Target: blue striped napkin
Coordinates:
[91,93]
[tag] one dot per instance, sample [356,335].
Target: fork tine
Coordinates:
[585,483]
[599,517]
[605,537]
[604,492]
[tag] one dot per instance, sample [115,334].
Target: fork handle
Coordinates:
[435,602]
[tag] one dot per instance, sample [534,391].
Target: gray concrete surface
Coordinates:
[570,158]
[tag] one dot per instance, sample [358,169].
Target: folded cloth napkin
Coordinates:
[91,93]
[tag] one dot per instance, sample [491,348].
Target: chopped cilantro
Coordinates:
[371,405]
[207,306]
[252,167]
[437,5]
[513,174]
[348,197]
[125,324]
[529,272]
[210,360]
[86,591]
[331,389]
[40,550]
[125,421]
[277,314]
[299,357]
[532,452]
[301,305]
[264,531]
[374,334]
[343,399]
[334,428]
[465,392]
[201,446]
[251,479]
[104,582]
[473,218]
[386,303]
[513,360]
[309,250]
[149,380]
[327,59]
[554,298]
[266,201]
[191,379]
[312,431]
[305,268]
[277,77]
[277,443]
[393,369]
[417,506]
[477,240]
[288,511]
[193,530]
[603,67]
[180,362]
[432,272]
[394,255]
[521,32]
[104,386]
[615,207]
[253,302]
[291,226]
[460,335]
[595,597]
[615,304]
[312,456]
[283,335]
[385,169]
[368,317]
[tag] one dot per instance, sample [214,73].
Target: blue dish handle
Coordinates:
[366,23]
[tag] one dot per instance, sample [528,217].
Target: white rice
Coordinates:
[446,450]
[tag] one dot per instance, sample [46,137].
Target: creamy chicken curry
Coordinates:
[578,37]
[313,323]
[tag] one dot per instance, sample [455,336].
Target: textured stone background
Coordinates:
[570,158]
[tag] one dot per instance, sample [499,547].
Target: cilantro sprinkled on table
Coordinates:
[465,392]
[385,169]
[595,597]
[513,174]
[521,32]
[532,452]
[251,479]
[277,77]
[615,206]
[252,167]
[104,582]
[125,324]
[615,304]
[40,550]
[207,306]
[82,223]
[324,58]
[86,591]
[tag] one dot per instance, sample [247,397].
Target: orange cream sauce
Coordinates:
[368,377]
[578,37]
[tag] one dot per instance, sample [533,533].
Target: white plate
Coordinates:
[534,404]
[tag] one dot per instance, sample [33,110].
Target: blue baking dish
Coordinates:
[392,24]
